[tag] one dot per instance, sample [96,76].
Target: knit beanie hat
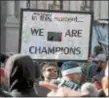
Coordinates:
[70,68]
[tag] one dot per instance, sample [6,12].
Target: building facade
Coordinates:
[10,16]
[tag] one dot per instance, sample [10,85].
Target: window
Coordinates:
[87,5]
[57,5]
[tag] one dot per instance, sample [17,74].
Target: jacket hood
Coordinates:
[20,72]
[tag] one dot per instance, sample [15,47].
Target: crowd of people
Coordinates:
[23,77]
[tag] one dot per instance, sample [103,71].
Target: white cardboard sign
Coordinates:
[54,35]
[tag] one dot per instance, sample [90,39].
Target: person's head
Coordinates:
[20,68]
[71,70]
[100,60]
[88,89]
[50,71]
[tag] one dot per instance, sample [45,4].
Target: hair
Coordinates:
[10,63]
[54,64]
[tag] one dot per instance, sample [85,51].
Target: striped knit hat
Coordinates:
[70,68]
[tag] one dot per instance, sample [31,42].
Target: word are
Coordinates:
[73,33]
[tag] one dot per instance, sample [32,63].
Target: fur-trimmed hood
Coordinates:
[20,72]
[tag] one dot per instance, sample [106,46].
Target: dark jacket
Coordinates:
[21,75]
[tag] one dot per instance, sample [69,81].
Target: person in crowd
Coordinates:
[3,91]
[105,84]
[92,69]
[71,76]
[20,74]
[98,65]
[101,59]
[50,71]
[59,90]
[101,64]
[88,89]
